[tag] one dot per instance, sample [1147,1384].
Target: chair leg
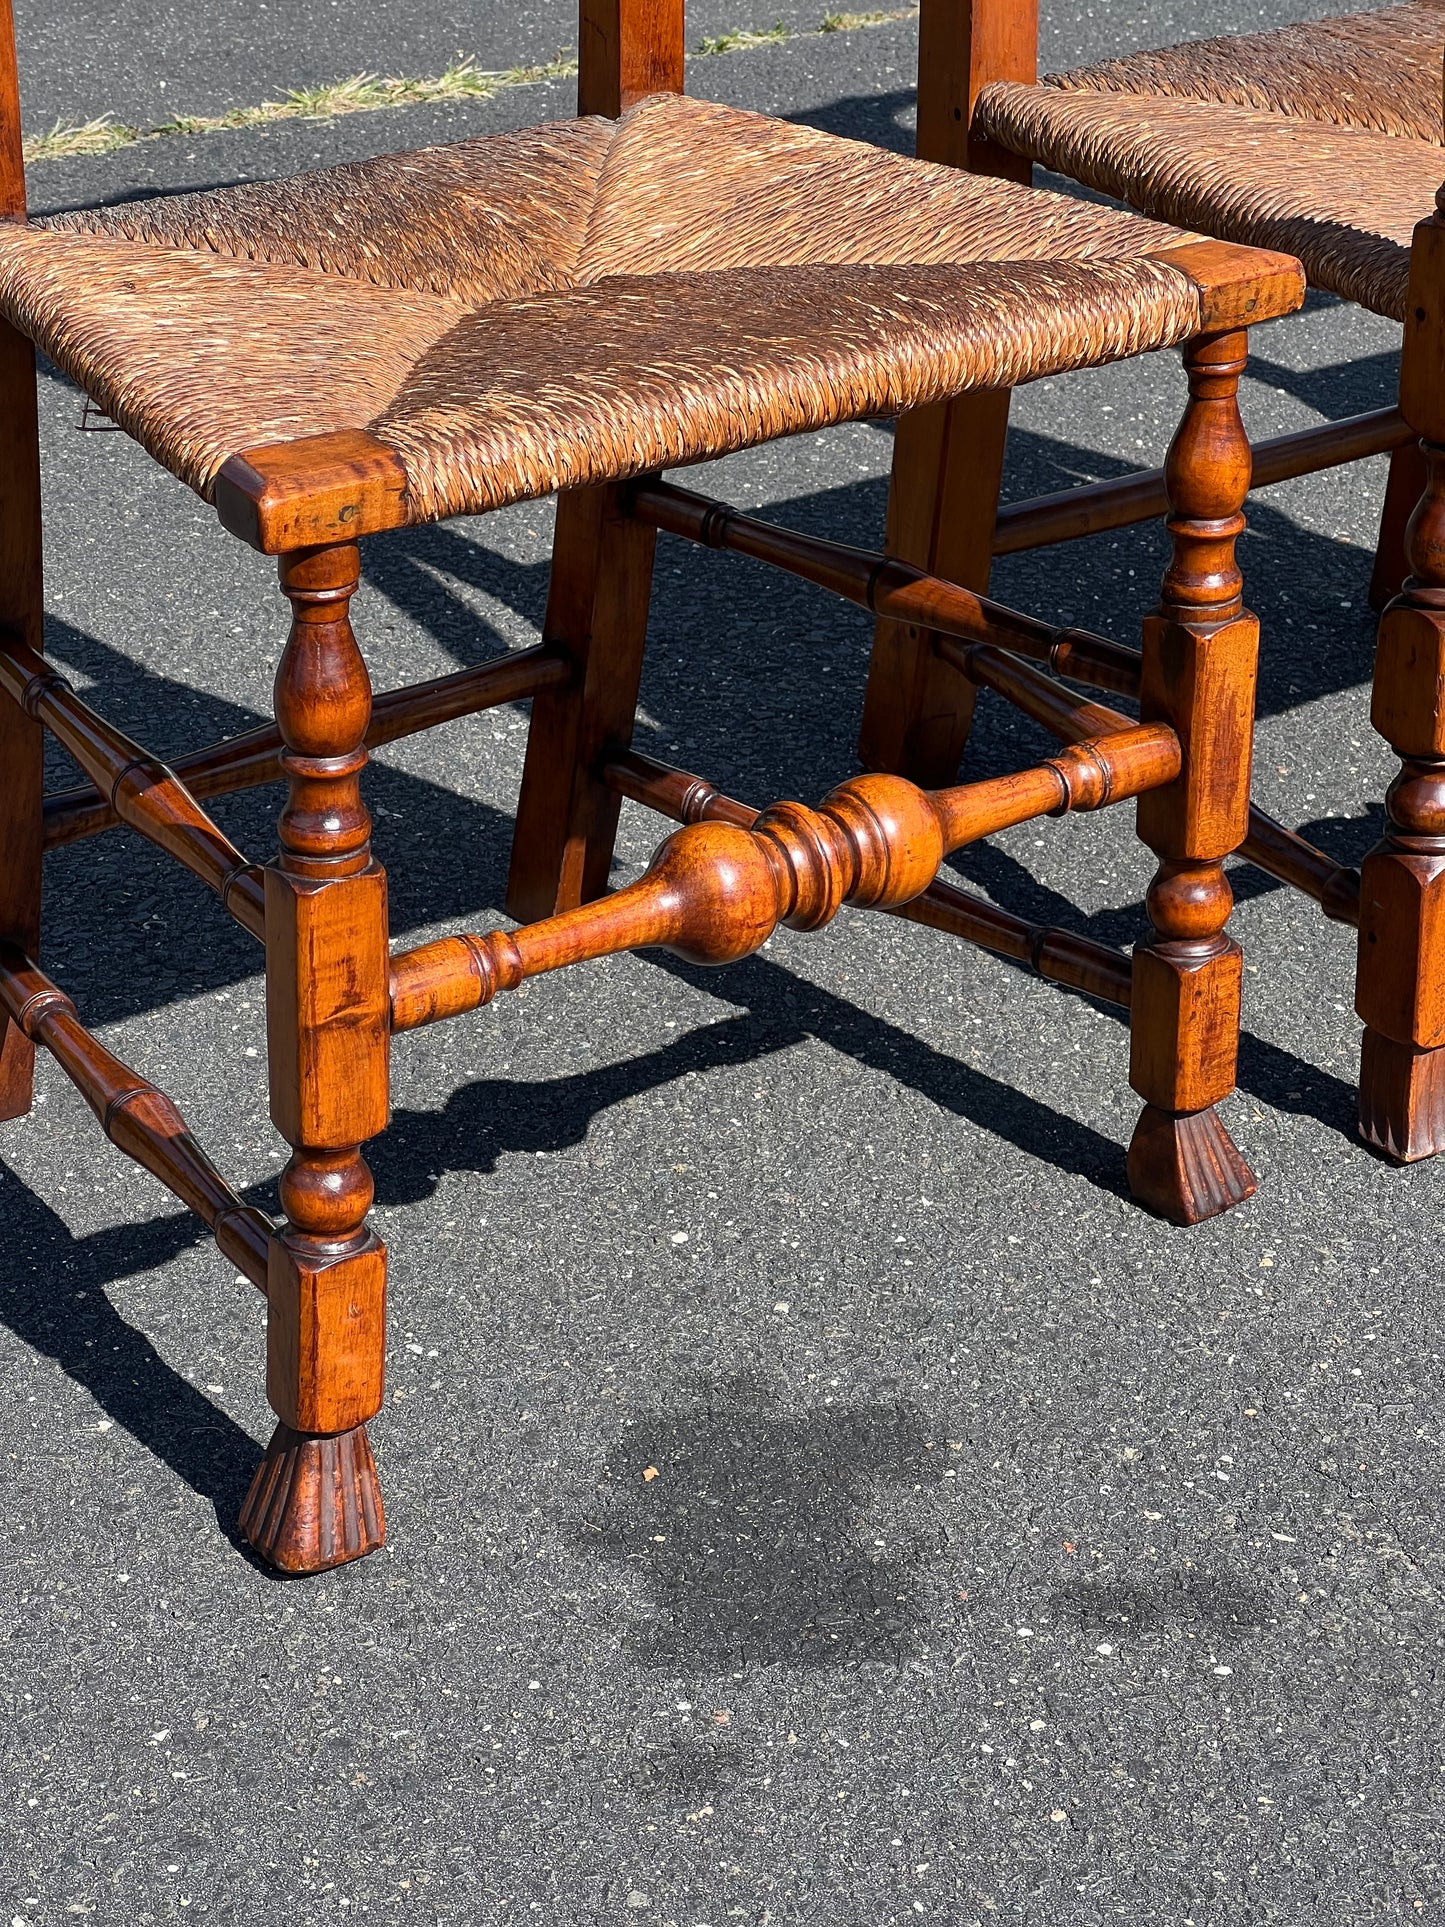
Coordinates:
[315,1501]
[1200,654]
[1400,976]
[942,505]
[1403,490]
[21,739]
[597,612]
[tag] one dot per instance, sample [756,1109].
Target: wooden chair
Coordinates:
[1323,139]
[578,307]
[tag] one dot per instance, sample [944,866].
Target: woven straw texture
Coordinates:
[1378,71]
[1321,140]
[581,301]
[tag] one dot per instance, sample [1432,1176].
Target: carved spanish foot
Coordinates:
[315,1501]
[1402,1098]
[1184,1166]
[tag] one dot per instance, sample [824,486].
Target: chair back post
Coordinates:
[21,607]
[963,46]
[12,152]
[626,49]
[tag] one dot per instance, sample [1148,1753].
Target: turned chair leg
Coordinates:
[597,606]
[942,506]
[1400,974]
[1200,654]
[21,750]
[1403,490]
[315,1501]
[1400,978]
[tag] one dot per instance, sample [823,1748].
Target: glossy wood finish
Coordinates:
[12,144]
[628,49]
[1400,973]
[1059,956]
[1071,718]
[315,1502]
[249,760]
[720,885]
[674,793]
[963,45]
[715,892]
[942,499]
[138,1119]
[1200,655]
[1403,489]
[21,609]
[315,490]
[596,620]
[971,633]
[1280,852]
[1098,506]
[1400,989]
[327,1035]
[141,791]
[1283,853]
[1237,286]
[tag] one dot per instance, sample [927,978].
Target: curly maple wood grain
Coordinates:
[887,586]
[1097,506]
[1058,956]
[1200,655]
[314,1502]
[716,891]
[1400,973]
[327,1037]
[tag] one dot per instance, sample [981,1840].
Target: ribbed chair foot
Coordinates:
[315,1501]
[1402,1098]
[1184,1166]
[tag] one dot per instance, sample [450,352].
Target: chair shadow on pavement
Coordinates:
[753,1537]
[53,1288]
[53,1284]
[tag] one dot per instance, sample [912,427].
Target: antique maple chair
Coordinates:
[1323,139]
[575,308]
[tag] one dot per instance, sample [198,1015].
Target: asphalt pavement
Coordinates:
[1011,1557]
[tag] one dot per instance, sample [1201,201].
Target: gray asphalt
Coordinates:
[1012,1557]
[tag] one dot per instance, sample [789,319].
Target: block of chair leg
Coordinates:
[326,1007]
[1400,985]
[1184,1043]
[1203,682]
[1406,706]
[325,1313]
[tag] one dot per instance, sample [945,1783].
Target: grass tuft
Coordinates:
[366,93]
[361,94]
[851,22]
[731,43]
[100,136]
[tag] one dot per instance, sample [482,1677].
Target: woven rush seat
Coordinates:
[1322,139]
[580,302]
[575,308]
